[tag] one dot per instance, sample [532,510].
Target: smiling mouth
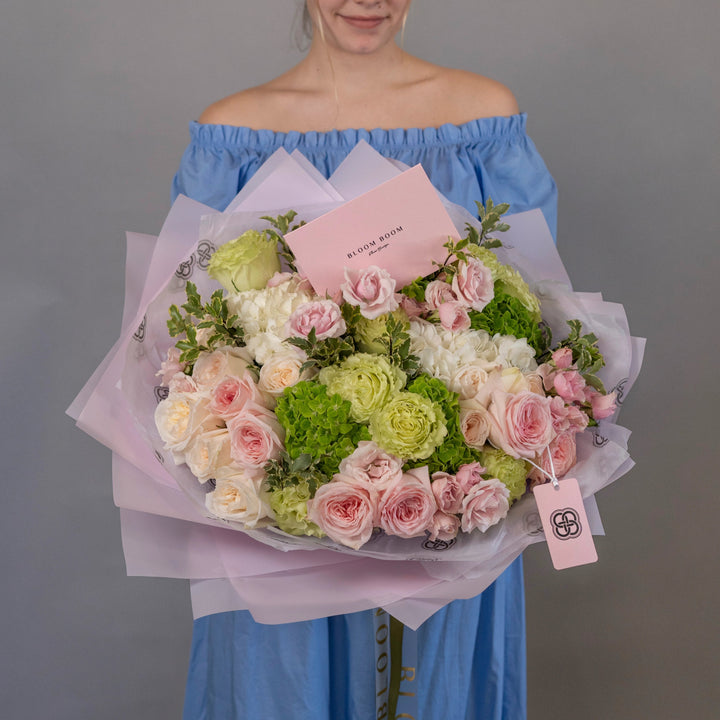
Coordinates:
[364,23]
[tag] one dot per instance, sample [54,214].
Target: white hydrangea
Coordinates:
[263,314]
[514,352]
[442,352]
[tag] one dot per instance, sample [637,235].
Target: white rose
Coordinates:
[280,370]
[211,368]
[469,379]
[207,453]
[180,416]
[515,353]
[239,497]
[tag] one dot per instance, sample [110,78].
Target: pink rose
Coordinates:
[444,527]
[371,465]
[447,491]
[454,317]
[345,511]
[182,383]
[323,315]
[485,505]
[412,308]
[255,436]
[521,424]
[408,505]
[231,395]
[372,289]
[473,284]
[211,368]
[570,386]
[562,358]
[470,475]
[170,366]
[438,293]
[603,406]
[563,451]
[475,424]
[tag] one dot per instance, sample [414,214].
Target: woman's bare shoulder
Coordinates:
[475,96]
[245,108]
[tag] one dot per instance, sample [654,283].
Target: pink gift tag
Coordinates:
[565,523]
[400,226]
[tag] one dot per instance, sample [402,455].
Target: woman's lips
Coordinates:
[364,23]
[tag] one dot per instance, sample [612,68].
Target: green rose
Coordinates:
[409,426]
[509,471]
[290,507]
[366,381]
[246,263]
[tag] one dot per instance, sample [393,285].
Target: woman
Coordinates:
[466,131]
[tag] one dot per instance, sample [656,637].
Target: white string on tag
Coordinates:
[551,475]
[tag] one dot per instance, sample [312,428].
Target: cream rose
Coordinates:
[281,370]
[475,423]
[208,452]
[211,368]
[180,416]
[239,497]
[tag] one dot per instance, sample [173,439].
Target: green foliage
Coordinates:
[322,353]
[318,425]
[453,451]
[281,223]
[286,471]
[490,222]
[213,315]
[396,342]
[416,289]
[507,315]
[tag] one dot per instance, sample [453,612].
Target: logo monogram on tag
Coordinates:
[565,524]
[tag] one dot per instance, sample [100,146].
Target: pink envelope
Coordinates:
[401,226]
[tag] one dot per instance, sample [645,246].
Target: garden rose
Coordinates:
[369,464]
[603,406]
[180,416]
[372,289]
[454,317]
[239,497]
[211,368]
[473,284]
[345,511]
[469,380]
[570,386]
[438,292]
[255,436]
[521,424]
[246,263]
[408,505]
[182,383]
[469,475]
[232,394]
[281,370]
[324,316]
[170,366]
[563,451]
[444,527]
[474,423]
[448,492]
[485,505]
[208,452]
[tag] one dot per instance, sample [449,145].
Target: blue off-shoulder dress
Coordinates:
[470,656]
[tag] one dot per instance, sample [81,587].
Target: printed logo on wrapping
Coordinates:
[438,545]
[532,524]
[161,392]
[159,457]
[620,390]
[139,334]
[562,513]
[566,524]
[201,258]
[598,439]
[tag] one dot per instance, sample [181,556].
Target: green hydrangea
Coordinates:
[289,504]
[318,424]
[507,279]
[366,381]
[510,471]
[506,315]
[409,426]
[453,451]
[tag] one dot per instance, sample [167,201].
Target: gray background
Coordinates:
[623,102]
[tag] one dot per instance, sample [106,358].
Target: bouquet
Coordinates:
[373,421]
